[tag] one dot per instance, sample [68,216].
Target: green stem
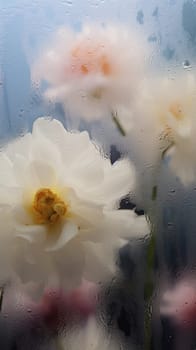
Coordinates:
[118,123]
[58,343]
[148,291]
[1,297]
[154,193]
[163,154]
[149,284]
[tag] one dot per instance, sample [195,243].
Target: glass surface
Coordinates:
[148,300]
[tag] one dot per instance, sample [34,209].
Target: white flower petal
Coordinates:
[100,261]
[133,225]
[121,183]
[69,231]
[10,196]
[21,215]
[7,177]
[40,174]
[31,233]
[21,146]
[70,147]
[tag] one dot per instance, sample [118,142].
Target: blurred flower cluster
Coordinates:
[61,212]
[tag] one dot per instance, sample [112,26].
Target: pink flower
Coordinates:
[180,304]
[58,308]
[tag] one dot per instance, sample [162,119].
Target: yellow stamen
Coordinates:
[105,66]
[48,208]
[90,59]
[176,110]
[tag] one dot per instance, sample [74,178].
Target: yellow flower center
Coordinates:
[90,58]
[48,208]
[176,110]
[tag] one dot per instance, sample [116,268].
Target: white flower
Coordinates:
[90,337]
[165,121]
[93,72]
[58,206]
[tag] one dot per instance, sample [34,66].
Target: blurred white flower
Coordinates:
[165,124]
[90,337]
[93,72]
[58,206]
[179,303]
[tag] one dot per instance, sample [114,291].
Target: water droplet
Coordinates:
[68,2]
[170,224]
[186,64]
[172,191]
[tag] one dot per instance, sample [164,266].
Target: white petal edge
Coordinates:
[70,230]
[31,233]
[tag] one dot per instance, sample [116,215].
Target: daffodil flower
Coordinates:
[59,199]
